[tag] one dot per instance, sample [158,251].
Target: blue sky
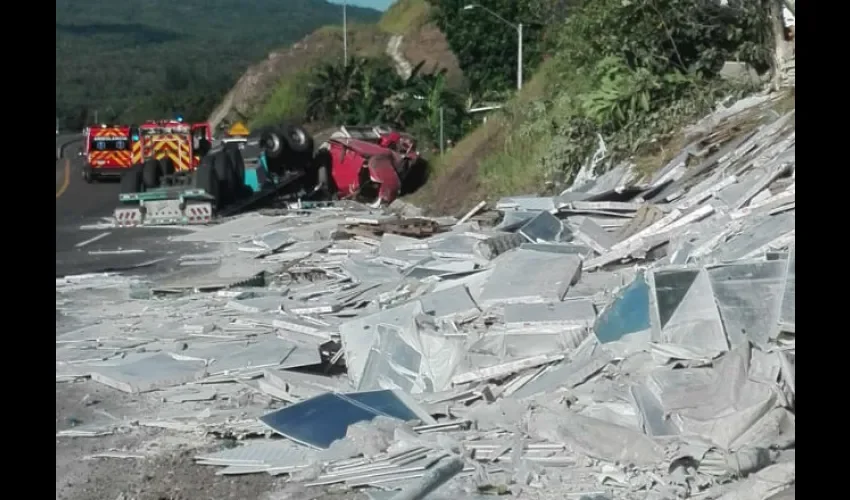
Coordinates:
[375,4]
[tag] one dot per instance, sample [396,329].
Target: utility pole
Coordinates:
[519,57]
[345,31]
[442,142]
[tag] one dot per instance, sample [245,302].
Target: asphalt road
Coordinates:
[82,250]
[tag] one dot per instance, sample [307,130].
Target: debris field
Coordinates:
[626,339]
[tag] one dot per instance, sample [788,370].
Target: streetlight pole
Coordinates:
[517,27]
[345,31]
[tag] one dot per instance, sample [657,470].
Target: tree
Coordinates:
[486,47]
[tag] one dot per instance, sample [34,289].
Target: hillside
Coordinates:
[275,89]
[611,85]
[148,57]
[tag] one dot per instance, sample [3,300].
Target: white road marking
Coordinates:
[92,240]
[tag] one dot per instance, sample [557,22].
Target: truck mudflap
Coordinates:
[165,212]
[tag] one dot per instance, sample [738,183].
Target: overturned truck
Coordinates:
[369,164]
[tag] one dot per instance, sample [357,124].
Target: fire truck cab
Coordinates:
[107,151]
[163,147]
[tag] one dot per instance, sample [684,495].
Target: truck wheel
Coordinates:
[131,180]
[297,138]
[87,175]
[206,179]
[151,173]
[273,143]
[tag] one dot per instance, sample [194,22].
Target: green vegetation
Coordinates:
[369,91]
[148,59]
[630,72]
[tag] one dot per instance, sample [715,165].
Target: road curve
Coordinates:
[81,249]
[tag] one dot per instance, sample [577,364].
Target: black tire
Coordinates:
[87,175]
[237,163]
[273,143]
[297,138]
[166,166]
[151,173]
[206,179]
[224,172]
[131,180]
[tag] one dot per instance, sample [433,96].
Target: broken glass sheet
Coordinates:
[236,230]
[653,421]
[530,276]
[148,374]
[685,312]
[455,246]
[787,313]
[544,228]
[514,219]
[580,250]
[392,403]
[748,296]
[755,237]
[526,203]
[394,362]
[319,421]
[369,271]
[360,336]
[567,374]
[628,313]
[450,302]
[274,240]
[578,312]
[593,235]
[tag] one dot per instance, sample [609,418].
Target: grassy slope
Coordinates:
[273,91]
[115,57]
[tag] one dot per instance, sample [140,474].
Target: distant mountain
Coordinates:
[149,57]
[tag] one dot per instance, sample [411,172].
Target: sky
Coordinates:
[375,4]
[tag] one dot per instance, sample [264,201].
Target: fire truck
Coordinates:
[107,151]
[162,148]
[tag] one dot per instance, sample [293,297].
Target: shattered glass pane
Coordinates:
[318,421]
[392,362]
[386,402]
[787,313]
[670,289]
[748,297]
[629,313]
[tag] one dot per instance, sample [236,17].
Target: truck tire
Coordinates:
[273,143]
[224,172]
[236,162]
[206,179]
[297,138]
[151,173]
[88,176]
[131,180]
[166,166]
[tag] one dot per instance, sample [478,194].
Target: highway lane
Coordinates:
[82,250]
